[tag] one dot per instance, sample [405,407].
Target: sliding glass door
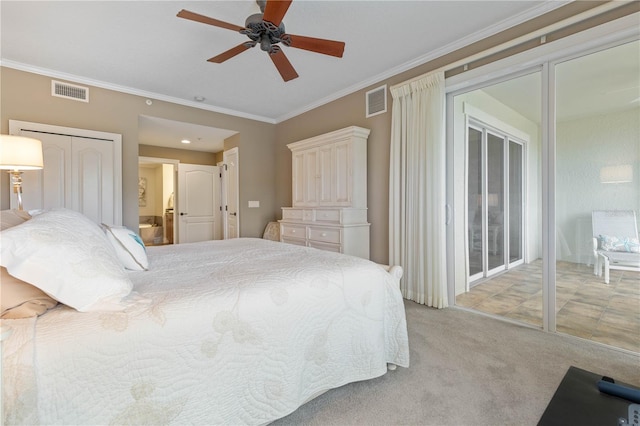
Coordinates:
[495,167]
[527,181]
[597,145]
[494,190]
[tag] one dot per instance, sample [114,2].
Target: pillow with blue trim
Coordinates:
[626,244]
[129,247]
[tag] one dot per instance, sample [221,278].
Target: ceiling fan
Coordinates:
[267,30]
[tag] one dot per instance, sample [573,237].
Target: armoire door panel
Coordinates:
[299,180]
[342,174]
[325,175]
[311,176]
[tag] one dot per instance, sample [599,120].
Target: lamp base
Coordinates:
[16,181]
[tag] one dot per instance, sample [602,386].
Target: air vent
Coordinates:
[376,101]
[69,91]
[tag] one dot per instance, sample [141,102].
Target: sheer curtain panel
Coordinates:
[417,189]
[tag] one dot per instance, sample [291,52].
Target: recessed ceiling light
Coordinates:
[185,141]
[199,98]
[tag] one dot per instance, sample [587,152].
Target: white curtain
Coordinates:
[417,198]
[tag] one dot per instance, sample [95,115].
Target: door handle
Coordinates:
[233,214]
[183,214]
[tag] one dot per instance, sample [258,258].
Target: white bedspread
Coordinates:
[240,331]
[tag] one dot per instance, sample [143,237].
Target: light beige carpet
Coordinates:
[466,369]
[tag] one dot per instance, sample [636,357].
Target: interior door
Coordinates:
[231,204]
[198,202]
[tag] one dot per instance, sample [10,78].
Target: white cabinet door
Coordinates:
[343,174]
[326,191]
[298,179]
[311,176]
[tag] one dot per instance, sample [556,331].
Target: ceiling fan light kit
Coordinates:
[267,30]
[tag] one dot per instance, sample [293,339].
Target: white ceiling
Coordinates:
[141,47]
[170,134]
[597,83]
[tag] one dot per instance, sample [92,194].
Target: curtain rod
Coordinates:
[608,11]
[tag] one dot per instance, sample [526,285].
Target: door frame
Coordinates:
[225,191]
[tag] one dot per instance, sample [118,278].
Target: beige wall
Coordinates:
[27,97]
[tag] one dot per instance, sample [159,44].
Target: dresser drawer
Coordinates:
[294,241]
[293,231]
[326,246]
[326,215]
[307,215]
[292,214]
[327,235]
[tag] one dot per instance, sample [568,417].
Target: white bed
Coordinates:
[241,331]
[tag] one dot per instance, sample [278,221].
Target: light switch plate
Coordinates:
[254,204]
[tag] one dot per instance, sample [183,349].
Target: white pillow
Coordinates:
[128,246]
[66,255]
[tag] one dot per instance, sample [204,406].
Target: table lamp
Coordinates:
[18,153]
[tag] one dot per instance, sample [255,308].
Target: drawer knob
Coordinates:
[324,234]
[293,231]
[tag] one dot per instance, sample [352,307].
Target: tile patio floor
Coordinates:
[586,307]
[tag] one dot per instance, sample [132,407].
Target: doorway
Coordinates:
[156,197]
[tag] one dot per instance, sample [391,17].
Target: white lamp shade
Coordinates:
[20,153]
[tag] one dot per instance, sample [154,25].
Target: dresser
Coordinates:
[329,193]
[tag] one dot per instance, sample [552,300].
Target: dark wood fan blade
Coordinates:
[283,65]
[206,20]
[228,54]
[274,11]
[318,45]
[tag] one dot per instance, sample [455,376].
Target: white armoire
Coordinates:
[329,193]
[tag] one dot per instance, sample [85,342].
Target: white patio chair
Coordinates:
[618,230]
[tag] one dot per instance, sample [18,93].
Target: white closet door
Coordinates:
[92,177]
[48,188]
[82,171]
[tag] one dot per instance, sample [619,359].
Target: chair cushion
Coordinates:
[623,244]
